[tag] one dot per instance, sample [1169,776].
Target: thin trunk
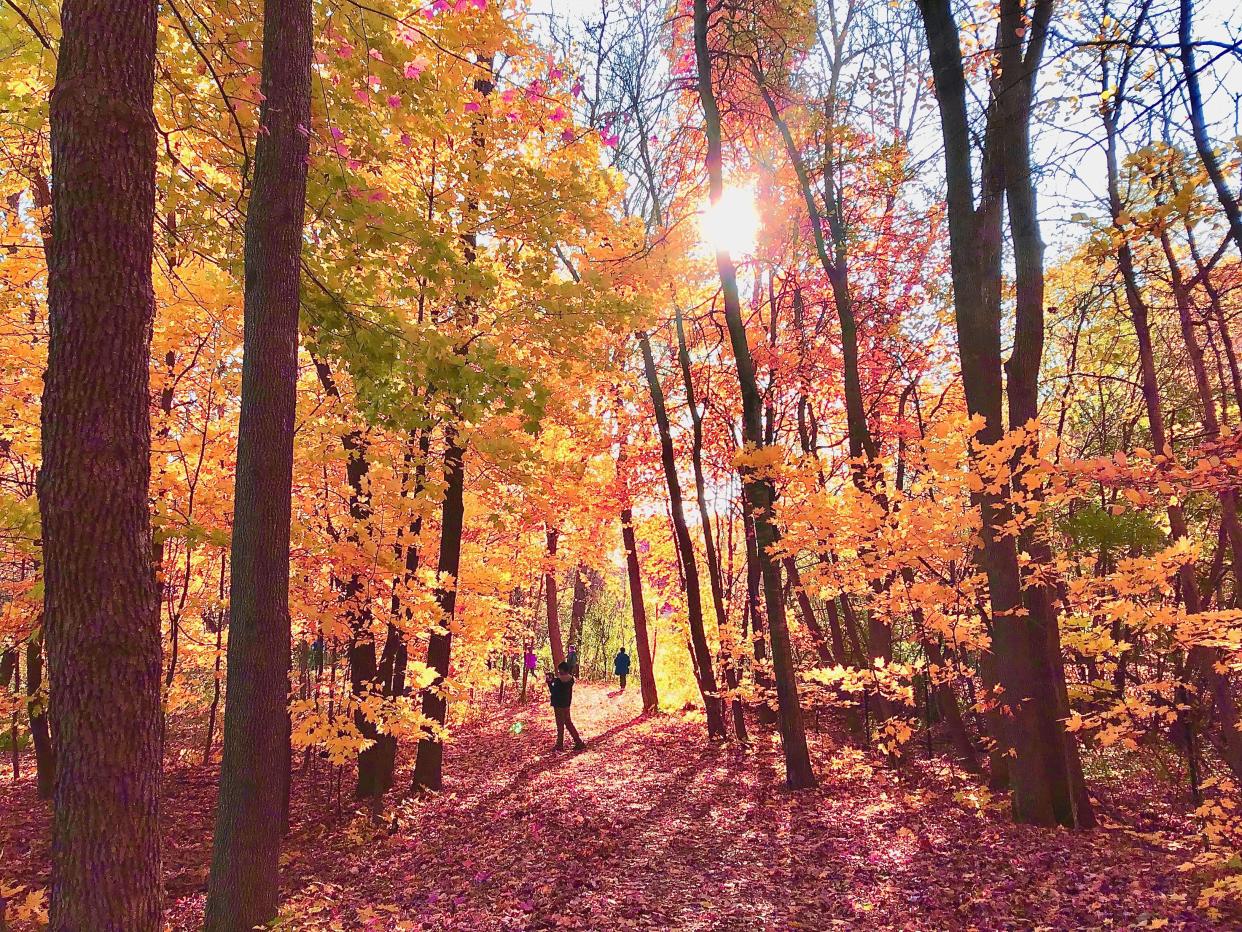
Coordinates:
[1198,125]
[554,616]
[101,612]
[215,669]
[946,702]
[577,616]
[685,549]
[760,490]
[732,677]
[646,671]
[807,612]
[254,773]
[1204,660]
[10,678]
[36,711]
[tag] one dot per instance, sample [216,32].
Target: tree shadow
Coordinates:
[550,760]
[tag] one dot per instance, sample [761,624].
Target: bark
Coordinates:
[254,775]
[374,770]
[685,548]
[646,671]
[101,618]
[1202,659]
[1230,525]
[215,666]
[834,629]
[429,764]
[760,490]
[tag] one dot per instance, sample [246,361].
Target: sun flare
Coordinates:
[732,223]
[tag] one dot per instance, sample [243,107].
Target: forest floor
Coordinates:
[651,827]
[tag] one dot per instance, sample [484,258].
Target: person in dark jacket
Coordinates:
[621,666]
[561,696]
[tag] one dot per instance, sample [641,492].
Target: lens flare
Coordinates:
[732,223]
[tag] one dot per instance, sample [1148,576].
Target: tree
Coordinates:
[685,548]
[1047,784]
[254,773]
[100,609]
[758,489]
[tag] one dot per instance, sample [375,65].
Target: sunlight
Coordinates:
[732,223]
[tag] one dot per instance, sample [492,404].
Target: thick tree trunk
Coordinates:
[254,774]
[685,548]
[646,672]
[429,765]
[100,605]
[760,490]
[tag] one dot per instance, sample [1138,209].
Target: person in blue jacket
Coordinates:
[621,666]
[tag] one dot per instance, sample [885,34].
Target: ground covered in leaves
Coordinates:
[651,827]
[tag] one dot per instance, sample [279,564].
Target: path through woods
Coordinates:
[651,827]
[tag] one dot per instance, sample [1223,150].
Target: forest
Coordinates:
[834,406]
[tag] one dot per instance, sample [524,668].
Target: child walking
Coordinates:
[561,695]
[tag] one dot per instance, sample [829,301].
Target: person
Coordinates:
[621,666]
[530,665]
[572,660]
[561,696]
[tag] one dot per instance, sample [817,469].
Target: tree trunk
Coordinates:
[732,677]
[36,710]
[101,616]
[685,548]
[807,613]
[760,490]
[1043,776]
[254,773]
[554,616]
[10,679]
[429,765]
[1198,125]
[577,617]
[946,702]
[646,671]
